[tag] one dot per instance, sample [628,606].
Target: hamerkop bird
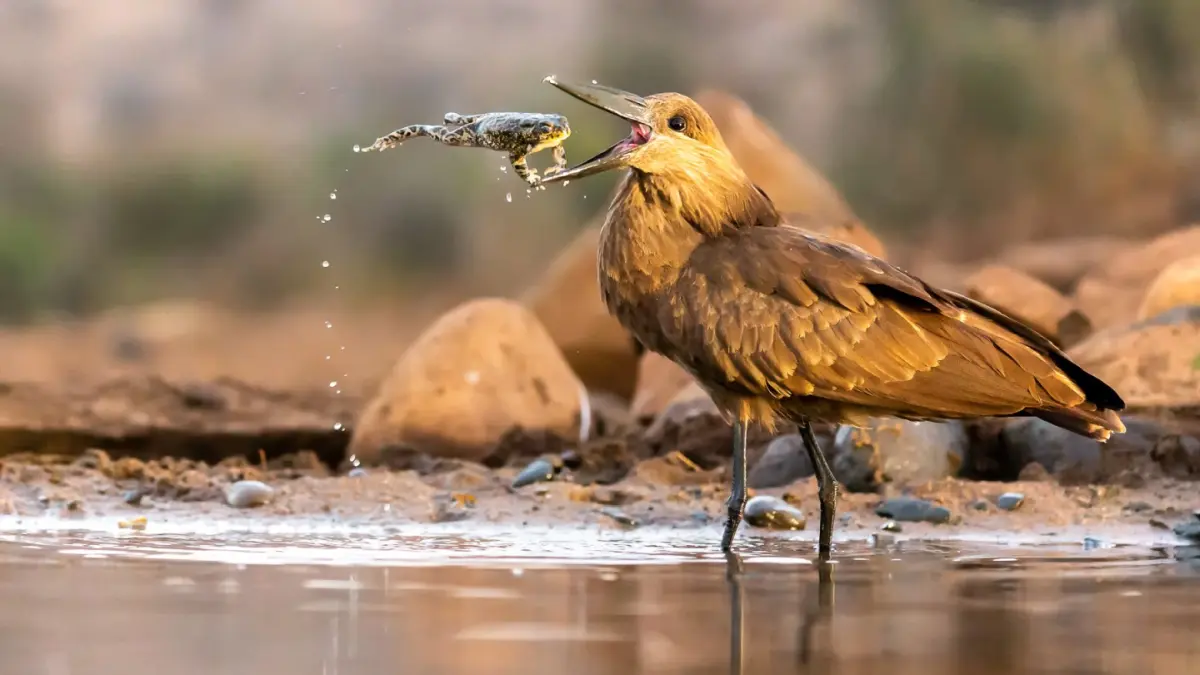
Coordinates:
[778,323]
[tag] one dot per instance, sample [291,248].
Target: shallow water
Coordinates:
[85,599]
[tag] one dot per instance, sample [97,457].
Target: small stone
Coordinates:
[784,462]
[1188,530]
[909,509]
[1138,507]
[134,497]
[980,505]
[773,513]
[613,496]
[1010,501]
[94,458]
[1158,524]
[619,516]
[1034,473]
[536,471]
[891,526]
[248,493]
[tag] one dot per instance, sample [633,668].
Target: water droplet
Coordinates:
[595,82]
[328,324]
[342,348]
[508,197]
[503,169]
[328,357]
[566,183]
[333,195]
[324,263]
[337,426]
[333,384]
[327,217]
[357,147]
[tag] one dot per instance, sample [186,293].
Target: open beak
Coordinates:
[623,104]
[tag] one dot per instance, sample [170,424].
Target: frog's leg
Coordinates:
[403,134]
[456,120]
[523,171]
[560,160]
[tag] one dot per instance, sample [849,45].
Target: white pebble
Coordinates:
[248,493]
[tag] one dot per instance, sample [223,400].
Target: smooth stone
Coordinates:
[891,526]
[248,493]
[783,462]
[909,509]
[619,516]
[1010,501]
[1188,530]
[538,470]
[773,513]
[898,451]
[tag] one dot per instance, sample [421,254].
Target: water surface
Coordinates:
[565,601]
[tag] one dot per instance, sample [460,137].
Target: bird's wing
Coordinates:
[778,312]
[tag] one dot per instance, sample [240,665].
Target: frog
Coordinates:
[517,134]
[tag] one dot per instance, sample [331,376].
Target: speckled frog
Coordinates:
[517,134]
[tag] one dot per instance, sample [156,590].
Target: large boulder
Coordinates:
[1178,285]
[1037,304]
[567,302]
[1111,294]
[480,370]
[659,381]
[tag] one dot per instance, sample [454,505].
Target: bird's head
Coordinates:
[670,133]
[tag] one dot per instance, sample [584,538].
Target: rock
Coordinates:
[1178,285]
[1071,458]
[538,470]
[613,496]
[1062,262]
[659,381]
[610,415]
[672,469]
[898,451]
[1034,472]
[1188,554]
[1188,530]
[1152,364]
[603,462]
[799,191]
[784,462]
[891,526]
[773,513]
[566,300]
[619,516]
[1111,293]
[1033,302]
[480,370]
[245,494]
[909,509]
[1010,501]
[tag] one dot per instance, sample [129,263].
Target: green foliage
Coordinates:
[26,257]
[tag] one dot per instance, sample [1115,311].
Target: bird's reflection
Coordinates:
[816,610]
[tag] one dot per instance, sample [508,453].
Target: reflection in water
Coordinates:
[86,605]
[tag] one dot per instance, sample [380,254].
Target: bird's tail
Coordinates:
[1085,420]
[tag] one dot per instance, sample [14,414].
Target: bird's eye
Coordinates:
[677,123]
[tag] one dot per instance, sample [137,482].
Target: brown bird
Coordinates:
[778,323]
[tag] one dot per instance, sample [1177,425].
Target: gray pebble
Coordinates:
[1010,501]
[774,514]
[134,497]
[537,470]
[1189,530]
[909,509]
[980,505]
[619,516]
[248,493]
[784,462]
[1187,553]
[891,526]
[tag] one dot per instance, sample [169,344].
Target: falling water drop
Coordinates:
[566,183]
[357,147]
[328,324]
[508,197]
[332,384]
[333,195]
[324,263]
[327,217]
[337,426]
[503,169]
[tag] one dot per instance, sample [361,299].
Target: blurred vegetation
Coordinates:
[985,121]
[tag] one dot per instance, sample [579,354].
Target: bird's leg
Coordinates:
[737,490]
[522,169]
[827,489]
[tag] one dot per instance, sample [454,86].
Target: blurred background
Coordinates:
[180,158]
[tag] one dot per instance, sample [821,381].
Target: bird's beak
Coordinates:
[623,104]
